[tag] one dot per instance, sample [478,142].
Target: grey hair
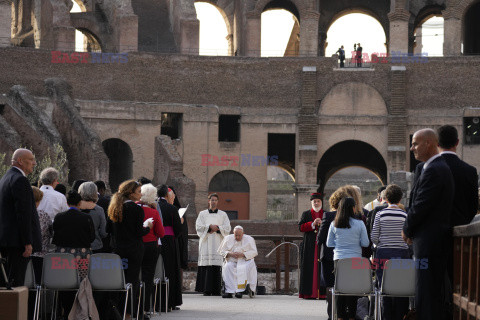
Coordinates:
[48,176]
[149,193]
[88,191]
[238,227]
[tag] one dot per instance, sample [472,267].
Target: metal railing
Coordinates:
[284,242]
[466,280]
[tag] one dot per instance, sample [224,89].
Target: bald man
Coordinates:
[19,225]
[427,224]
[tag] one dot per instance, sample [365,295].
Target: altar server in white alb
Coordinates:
[239,271]
[212,226]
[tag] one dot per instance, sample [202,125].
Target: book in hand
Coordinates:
[182,211]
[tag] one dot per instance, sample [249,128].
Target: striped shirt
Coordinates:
[387,228]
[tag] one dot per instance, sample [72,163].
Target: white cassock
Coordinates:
[210,242]
[237,273]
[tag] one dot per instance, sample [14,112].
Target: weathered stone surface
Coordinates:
[32,124]
[82,145]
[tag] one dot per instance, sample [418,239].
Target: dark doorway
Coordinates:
[281,147]
[121,161]
[471,38]
[234,194]
[350,153]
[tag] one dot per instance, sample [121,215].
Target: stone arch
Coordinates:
[330,11]
[226,9]
[349,153]
[233,190]
[90,28]
[353,99]
[296,7]
[120,157]
[418,18]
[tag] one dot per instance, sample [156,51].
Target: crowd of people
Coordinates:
[141,222]
[444,195]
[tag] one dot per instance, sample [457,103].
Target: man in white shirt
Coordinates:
[53,202]
[239,271]
[376,202]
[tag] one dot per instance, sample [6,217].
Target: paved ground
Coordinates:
[269,307]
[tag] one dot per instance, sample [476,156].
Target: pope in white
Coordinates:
[239,271]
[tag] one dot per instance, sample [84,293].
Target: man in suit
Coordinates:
[427,223]
[19,224]
[465,200]
[465,178]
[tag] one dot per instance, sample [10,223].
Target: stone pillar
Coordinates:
[452,35]
[308,34]
[253,36]
[322,43]
[238,28]
[5,24]
[189,36]
[306,163]
[230,44]
[397,121]
[127,33]
[398,38]
[418,41]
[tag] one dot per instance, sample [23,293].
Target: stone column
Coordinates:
[189,36]
[5,24]
[238,28]
[398,39]
[418,41]
[127,33]
[452,34]
[230,44]
[322,43]
[397,121]
[308,34]
[253,36]
[306,163]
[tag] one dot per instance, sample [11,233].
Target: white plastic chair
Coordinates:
[158,280]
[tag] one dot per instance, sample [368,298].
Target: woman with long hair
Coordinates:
[347,235]
[128,230]
[326,253]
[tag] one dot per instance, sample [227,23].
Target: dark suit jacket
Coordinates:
[19,223]
[428,216]
[326,253]
[171,217]
[465,201]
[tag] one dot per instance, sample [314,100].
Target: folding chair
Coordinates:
[158,280]
[109,277]
[398,280]
[31,285]
[352,281]
[56,277]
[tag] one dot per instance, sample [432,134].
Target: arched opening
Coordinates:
[366,180]
[354,27]
[85,40]
[234,194]
[280,29]
[471,30]
[428,31]
[215,30]
[347,154]
[120,158]
[280,194]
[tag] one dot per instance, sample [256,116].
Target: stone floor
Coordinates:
[267,307]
